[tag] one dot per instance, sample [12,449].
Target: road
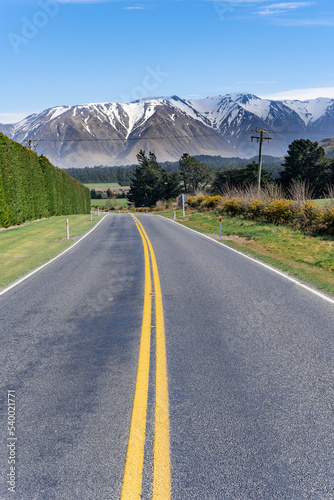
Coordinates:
[249,360]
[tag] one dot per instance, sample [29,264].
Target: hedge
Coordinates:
[32,188]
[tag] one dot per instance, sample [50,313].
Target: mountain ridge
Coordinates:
[104,133]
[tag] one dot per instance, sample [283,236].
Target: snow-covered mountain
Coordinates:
[113,133]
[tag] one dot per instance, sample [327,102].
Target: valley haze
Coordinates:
[113,133]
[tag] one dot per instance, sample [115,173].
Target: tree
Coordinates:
[171,185]
[194,174]
[148,183]
[306,161]
[239,177]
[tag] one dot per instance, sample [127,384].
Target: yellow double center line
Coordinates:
[132,481]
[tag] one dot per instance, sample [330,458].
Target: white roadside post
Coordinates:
[67,230]
[183,197]
[91,215]
[220,227]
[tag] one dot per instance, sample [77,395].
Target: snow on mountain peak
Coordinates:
[311,110]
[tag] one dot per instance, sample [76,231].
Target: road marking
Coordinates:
[17,282]
[161,460]
[133,472]
[267,266]
[161,468]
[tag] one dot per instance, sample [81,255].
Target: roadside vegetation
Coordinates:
[32,188]
[309,258]
[26,247]
[306,163]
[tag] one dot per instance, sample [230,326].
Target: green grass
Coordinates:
[309,258]
[105,185]
[123,202]
[24,248]
[323,203]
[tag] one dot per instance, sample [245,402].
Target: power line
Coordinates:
[30,144]
[217,134]
[260,141]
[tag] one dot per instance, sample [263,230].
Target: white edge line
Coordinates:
[17,282]
[273,269]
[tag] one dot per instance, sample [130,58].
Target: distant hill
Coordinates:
[113,133]
[328,145]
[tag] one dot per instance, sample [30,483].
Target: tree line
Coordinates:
[32,188]
[305,161]
[102,174]
[122,175]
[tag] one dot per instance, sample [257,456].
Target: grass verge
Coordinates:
[309,258]
[26,247]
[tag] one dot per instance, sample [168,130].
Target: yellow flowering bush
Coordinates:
[209,201]
[325,221]
[232,206]
[280,211]
[255,208]
[305,216]
[195,201]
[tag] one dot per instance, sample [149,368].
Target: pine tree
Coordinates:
[306,161]
[147,183]
[195,175]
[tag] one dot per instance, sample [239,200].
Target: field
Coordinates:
[26,247]
[309,258]
[102,185]
[323,202]
[123,202]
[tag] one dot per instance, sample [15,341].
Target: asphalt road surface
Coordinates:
[250,372]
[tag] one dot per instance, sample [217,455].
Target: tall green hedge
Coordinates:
[32,188]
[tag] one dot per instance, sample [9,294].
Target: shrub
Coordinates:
[280,211]
[255,208]
[325,221]
[232,206]
[302,215]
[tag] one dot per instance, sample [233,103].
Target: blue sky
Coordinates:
[61,52]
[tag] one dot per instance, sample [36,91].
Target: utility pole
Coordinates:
[260,141]
[30,144]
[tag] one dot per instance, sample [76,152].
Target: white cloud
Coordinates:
[138,7]
[301,94]
[281,8]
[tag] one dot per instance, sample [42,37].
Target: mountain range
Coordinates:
[113,133]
